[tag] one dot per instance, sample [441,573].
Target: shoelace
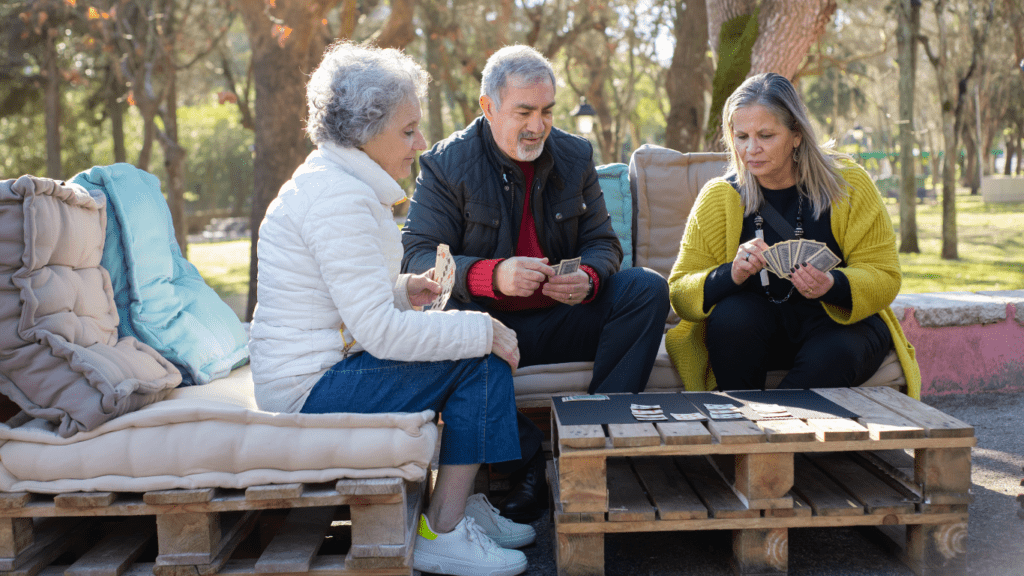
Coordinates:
[477,534]
[496,517]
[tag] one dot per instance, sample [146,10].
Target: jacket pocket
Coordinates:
[483,221]
[568,210]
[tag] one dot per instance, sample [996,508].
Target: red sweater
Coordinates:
[481,274]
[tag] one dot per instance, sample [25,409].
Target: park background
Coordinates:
[208,95]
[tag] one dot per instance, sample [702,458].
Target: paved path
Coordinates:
[995,535]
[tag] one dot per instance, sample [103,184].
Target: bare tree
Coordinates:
[688,76]
[952,105]
[909,13]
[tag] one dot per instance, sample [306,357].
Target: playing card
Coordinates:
[726,416]
[771,255]
[644,406]
[568,266]
[720,406]
[444,274]
[639,412]
[784,251]
[691,416]
[652,417]
[824,260]
[578,397]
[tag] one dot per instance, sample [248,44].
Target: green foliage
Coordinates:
[218,165]
[822,93]
[735,47]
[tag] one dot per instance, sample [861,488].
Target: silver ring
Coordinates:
[747,257]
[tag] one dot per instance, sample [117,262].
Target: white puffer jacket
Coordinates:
[329,258]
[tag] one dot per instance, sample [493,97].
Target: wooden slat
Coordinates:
[273,491]
[882,423]
[115,553]
[297,541]
[589,436]
[876,496]
[787,430]
[198,495]
[677,433]
[822,494]
[370,486]
[83,499]
[12,500]
[838,429]
[936,423]
[740,431]
[716,495]
[800,509]
[632,435]
[671,493]
[626,499]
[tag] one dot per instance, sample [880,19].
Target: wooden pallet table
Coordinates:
[760,480]
[197,532]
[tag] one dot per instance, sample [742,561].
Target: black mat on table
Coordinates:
[802,404]
[615,410]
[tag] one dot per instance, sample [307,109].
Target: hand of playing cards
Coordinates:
[567,266]
[444,274]
[784,256]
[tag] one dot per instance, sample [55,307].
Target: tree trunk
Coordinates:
[53,109]
[398,31]
[688,78]
[280,69]
[115,110]
[435,93]
[906,42]
[721,11]
[787,30]
[174,154]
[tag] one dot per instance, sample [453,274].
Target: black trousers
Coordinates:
[620,331]
[747,336]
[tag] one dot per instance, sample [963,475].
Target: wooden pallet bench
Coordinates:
[759,479]
[198,532]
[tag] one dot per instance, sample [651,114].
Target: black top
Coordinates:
[719,283]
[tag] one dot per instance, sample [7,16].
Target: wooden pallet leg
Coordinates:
[47,539]
[761,551]
[579,554]
[583,484]
[196,543]
[764,480]
[945,478]
[15,536]
[384,526]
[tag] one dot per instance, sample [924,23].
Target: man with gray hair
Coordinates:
[512,196]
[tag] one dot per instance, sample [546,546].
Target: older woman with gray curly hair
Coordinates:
[337,328]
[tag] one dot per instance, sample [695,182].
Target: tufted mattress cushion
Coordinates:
[214,436]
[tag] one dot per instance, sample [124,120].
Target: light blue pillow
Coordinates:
[161,299]
[614,181]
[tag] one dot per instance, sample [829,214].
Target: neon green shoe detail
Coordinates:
[424,529]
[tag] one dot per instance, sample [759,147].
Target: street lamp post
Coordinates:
[584,114]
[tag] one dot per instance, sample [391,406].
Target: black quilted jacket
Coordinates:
[469,195]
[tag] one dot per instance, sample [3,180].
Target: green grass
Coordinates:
[991,249]
[990,244]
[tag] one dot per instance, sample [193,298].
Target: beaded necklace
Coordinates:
[799,231]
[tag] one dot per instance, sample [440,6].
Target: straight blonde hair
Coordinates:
[817,167]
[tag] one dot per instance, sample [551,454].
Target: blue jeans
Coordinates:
[474,397]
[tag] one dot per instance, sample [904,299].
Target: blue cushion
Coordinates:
[614,181]
[161,299]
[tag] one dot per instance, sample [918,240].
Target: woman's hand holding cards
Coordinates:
[810,281]
[749,260]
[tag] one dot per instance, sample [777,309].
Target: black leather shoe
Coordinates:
[529,499]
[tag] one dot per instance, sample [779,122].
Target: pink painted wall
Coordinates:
[968,359]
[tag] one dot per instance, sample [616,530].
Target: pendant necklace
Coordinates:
[799,231]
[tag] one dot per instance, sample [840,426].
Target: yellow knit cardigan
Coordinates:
[860,225]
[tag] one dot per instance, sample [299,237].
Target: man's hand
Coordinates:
[422,289]
[568,289]
[505,344]
[520,276]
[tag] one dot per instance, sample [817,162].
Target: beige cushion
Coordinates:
[213,436]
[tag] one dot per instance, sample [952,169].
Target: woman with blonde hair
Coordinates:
[830,327]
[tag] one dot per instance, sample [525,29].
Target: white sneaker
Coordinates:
[503,531]
[465,551]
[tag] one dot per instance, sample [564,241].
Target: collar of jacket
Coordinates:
[359,164]
[544,167]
